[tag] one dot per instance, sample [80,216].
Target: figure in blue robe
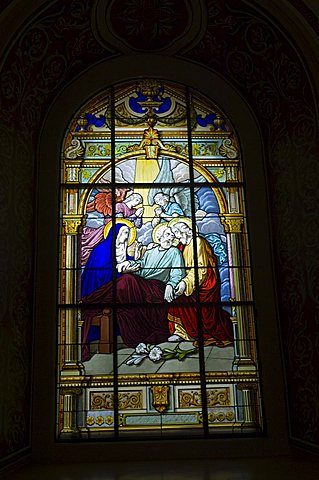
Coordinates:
[99,267]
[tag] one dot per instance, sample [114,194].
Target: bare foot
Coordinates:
[175,338]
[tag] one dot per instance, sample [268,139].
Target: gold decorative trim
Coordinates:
[160,397]
[126,400]
[72,173]
[193,398]
[221,416]
[70,391]
[227,149]
[160,379]
[72,224]
[247,386]
[232,223]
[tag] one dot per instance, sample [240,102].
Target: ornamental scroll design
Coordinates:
[74,150]
[40,62]
[193,398]
[99,150]
[70,391]
[132,400]
[227,149]
[247,386]
[132,19]
[136,25]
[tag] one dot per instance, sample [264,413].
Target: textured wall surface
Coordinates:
[56,47]
[251,53]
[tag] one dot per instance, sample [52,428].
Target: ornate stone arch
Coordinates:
[20,132]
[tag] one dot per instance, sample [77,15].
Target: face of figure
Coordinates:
[123,234]
[161,200]
[182,233]
[136,201]
[166,240]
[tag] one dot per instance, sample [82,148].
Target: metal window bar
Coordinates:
[198,309]
[114,293]
[191,185]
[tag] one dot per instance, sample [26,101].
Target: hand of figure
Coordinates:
[151,245]
[180,288]
[133,267]
[138,250]
[139,211]
[127,267]
[169,293]
[155,221]
[158,211]
[120,267]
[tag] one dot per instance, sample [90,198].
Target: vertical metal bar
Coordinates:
[198,307]
[114,310]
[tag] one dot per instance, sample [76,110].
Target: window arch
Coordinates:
[156,322]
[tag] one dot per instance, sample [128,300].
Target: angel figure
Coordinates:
[126,209]
[166,210]
[102,201]
[172,201]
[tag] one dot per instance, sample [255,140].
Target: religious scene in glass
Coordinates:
[156,322]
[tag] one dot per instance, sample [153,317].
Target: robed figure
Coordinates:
[143,296]
[100,269]
[183,312]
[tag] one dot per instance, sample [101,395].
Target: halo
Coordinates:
[122,221]
[160,225]
[186,220]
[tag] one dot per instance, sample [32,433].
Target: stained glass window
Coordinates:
[156,322]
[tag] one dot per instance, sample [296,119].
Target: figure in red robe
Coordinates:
[184,311]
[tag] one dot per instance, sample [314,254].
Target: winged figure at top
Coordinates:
[173,199]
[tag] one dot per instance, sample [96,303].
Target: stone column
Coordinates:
[72,363]
[233,225]
[249,403]
[70,396]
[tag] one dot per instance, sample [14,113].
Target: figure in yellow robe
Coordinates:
[204,306]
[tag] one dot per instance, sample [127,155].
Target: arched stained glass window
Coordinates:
[156,315]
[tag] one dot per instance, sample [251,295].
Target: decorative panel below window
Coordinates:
[156,315]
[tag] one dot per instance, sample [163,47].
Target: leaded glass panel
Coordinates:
[156,320]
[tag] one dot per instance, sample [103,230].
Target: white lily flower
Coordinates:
[155,354]
[141,348]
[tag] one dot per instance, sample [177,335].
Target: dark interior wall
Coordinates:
[56,46]
[16,291]
[251,52]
